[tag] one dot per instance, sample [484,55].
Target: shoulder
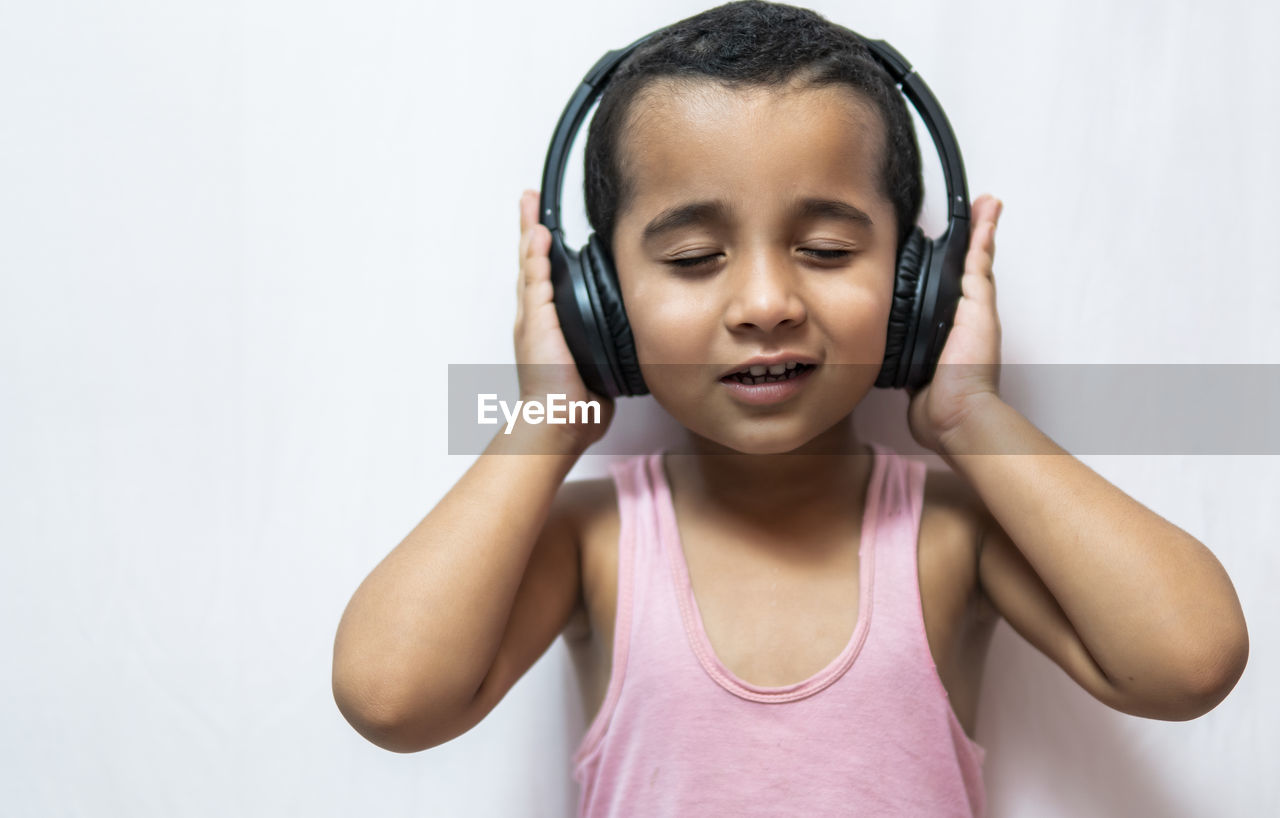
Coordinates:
[952,525]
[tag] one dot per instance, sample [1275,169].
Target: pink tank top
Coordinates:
[678,734]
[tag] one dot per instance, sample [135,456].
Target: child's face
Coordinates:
[758,153]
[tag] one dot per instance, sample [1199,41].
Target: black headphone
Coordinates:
[926,289]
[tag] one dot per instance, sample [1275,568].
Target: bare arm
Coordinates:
[421,632]
[1135,609]
[1145,618]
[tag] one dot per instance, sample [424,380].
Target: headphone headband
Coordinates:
[912,85]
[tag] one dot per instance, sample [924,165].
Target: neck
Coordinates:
[822,475]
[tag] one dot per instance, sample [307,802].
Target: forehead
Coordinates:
[705,139]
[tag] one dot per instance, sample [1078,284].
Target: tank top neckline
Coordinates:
[691,615]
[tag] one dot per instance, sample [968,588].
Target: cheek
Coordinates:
[670,325]
[854,321]
[674,334]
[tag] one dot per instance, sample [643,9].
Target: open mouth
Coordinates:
[758,374]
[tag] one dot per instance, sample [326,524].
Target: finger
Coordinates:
[535,266]
[985,208]
[981,253]
[521,252]
[535,273]
[535,251]
[978,281]
[524,224]
[982,242]
[528,221]
[978,288]
[996,209]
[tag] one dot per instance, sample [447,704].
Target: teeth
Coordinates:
[782,373]
[761,370]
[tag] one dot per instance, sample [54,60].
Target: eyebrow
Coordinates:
[716,211]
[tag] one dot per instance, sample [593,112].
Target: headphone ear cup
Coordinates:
[603,277]
[902,317]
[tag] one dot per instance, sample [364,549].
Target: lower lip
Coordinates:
[765,394]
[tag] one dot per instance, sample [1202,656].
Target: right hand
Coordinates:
[538,337]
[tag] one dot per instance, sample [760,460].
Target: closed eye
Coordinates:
[829,255]
[825,255]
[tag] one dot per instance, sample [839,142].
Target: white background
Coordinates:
[241,242]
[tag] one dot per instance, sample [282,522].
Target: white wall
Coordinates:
[241,243]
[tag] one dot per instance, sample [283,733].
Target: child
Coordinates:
[786,619]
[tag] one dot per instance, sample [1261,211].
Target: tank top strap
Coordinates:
[900,636]
[637,531]
[896,517]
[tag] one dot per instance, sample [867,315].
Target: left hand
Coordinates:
[938,408]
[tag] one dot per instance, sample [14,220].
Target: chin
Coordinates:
[769,447]
[758,440]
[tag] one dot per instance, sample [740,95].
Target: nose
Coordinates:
[763,295]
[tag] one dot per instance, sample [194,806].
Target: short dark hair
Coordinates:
[750,44]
